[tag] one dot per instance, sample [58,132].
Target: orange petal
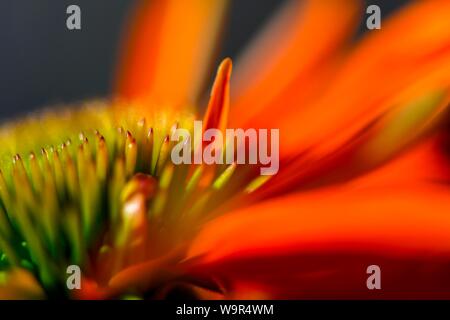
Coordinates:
[349,219]
[334,233]
[384,140]
[331,275]
[290,52]
[219,103]
[388,67]
[426,162]
[168,50]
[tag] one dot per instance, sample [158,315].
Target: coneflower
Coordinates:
[363,178]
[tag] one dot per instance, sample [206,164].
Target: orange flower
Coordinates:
[363,180]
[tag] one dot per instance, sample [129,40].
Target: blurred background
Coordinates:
[43,63]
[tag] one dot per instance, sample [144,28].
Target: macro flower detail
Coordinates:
[363,176]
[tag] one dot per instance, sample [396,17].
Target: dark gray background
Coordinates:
[42,63]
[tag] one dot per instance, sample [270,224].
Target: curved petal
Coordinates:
[384,140]
[319,244]
[387,68]
[427,162]
[291,51]
[168,49]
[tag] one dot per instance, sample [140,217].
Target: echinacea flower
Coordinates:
[363,179]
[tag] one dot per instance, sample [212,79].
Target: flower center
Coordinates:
[107,200]
[112,201]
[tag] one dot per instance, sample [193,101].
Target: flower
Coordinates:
[363,175]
